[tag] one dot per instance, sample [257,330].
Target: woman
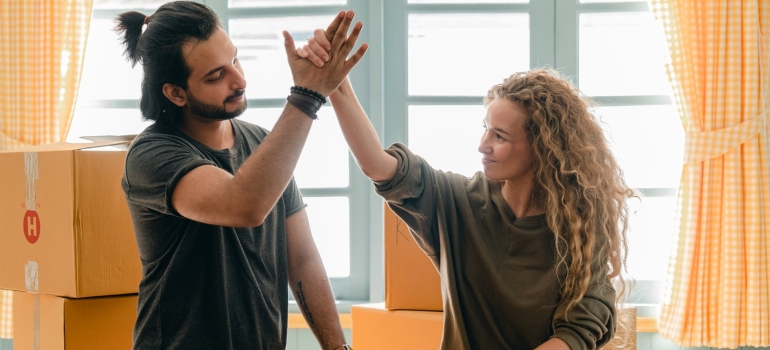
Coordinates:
[527,248]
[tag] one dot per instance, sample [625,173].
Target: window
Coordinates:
[422,81]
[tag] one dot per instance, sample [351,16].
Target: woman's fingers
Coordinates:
[316,50]
[323,39]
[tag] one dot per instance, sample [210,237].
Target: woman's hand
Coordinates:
[326,79]
[317,48]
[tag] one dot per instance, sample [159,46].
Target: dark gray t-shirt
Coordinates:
[204,286]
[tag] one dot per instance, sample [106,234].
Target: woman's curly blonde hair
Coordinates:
[577,179]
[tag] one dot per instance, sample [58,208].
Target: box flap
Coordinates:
[64,146]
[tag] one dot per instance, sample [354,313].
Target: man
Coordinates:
[220,224]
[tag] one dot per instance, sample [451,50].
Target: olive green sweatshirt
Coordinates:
[499,279]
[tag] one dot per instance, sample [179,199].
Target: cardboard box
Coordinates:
[377,328]
[411,280]
[625,335]
[64,222]
[43,321]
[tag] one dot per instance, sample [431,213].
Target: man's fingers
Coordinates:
[351,40]
[288,44]
[334,25]
[342,31]
[357,56]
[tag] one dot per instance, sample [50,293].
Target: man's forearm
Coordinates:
[316,301]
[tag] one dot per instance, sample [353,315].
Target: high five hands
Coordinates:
[324,69]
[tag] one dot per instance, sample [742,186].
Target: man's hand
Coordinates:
[326,79]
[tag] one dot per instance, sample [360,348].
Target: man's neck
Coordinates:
[215,134]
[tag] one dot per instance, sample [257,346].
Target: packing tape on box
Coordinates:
[31,172]
[31,283]
[31,268]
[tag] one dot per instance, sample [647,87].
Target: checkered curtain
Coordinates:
[42,43]
[6,315]
[717,292]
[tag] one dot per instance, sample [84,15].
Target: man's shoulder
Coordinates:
[157,135]
[249,129]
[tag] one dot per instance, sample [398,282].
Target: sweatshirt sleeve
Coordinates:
[411,195]
[592,321]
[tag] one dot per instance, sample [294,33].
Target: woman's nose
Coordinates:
[483,146]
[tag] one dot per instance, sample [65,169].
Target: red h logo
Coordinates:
[31,226]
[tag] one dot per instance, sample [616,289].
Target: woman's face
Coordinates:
[504,146]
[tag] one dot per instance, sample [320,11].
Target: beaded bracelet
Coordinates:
[308,92]
[306,104]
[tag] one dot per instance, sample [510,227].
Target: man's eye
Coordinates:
[219,76]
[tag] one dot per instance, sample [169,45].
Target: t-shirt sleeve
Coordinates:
[292,198]
[154,166]
[592,321]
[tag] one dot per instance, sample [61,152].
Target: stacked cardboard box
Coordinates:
[69,253]
[411,316]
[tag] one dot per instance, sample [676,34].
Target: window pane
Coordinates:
[123,4]
[648,142]
[622,54]
[464,54]
[324,160]
[261,52]
[447,136]
[467,1]
[103,121]
[104,58]
[278,3]
[330,223]
[651,233]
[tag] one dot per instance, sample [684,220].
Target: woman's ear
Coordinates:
[175,94]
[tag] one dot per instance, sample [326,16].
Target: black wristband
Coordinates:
[306,104]
[307,92]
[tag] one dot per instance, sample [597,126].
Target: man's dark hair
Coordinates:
[158,47]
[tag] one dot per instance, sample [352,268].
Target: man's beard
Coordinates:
[215,112]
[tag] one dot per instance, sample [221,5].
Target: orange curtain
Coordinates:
[42,43]
[6,315]
[718,288]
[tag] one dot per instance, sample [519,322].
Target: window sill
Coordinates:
[297,321]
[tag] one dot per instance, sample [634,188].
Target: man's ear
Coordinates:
[175,94]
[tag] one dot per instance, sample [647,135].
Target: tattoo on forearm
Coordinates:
[303,303]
